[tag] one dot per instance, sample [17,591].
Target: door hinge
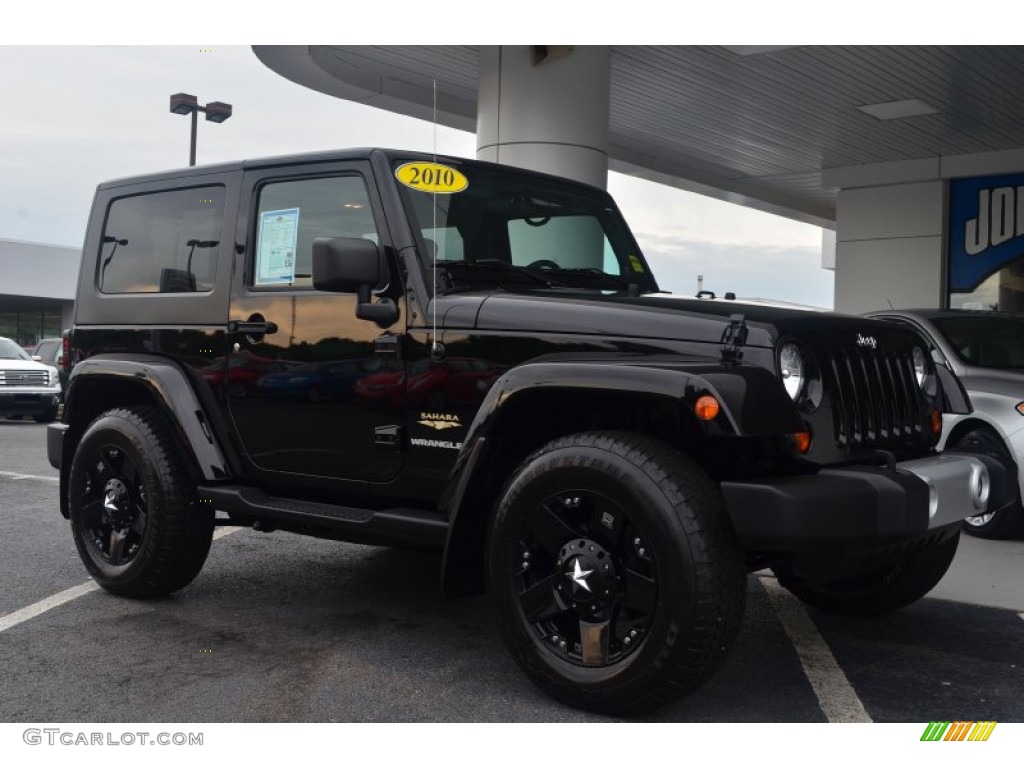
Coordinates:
[734,337]
[388,344]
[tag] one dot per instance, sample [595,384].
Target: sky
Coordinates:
[75,116]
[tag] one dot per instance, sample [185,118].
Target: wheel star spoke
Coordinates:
[549,530]
[139,522]
[539,601]
[92,514]
[594,642]
[641,592]
[128,469]
[116,546]
[606,525]
[107,466]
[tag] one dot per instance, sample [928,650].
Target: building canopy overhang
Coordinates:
[770,127]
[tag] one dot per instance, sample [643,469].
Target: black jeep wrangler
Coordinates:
[392,349]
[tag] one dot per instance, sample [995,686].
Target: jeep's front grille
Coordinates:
[24,378]
[875,400]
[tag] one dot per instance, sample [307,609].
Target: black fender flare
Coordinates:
[191,411]
[752,402]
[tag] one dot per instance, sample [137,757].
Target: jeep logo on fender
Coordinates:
[867,341]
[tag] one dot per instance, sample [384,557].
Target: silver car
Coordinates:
[986,352]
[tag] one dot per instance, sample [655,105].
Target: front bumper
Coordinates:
[28,402]
[864,506]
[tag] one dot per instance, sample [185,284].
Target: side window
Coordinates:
[291,214]
[162,242]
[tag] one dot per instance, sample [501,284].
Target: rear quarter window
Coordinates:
[162,242]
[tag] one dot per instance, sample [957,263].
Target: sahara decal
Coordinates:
[439,420]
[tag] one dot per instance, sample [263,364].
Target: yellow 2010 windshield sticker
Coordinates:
[431,177]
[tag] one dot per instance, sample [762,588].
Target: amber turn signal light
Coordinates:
[707,408]
[936,422]
[802,440]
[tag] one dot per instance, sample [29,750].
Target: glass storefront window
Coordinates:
[27,328]
[1003,291]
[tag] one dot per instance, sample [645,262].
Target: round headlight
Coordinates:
[920,366]
[791,365]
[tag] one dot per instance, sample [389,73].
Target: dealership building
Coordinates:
[910,157]
[37,289]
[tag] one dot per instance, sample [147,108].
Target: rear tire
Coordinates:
[1007,523]
[134,516]
[884,590]
[618,585]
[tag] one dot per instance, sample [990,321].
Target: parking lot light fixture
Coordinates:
[187,104]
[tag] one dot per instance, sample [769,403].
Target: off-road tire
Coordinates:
[884,590]
[176,530]
[677,511]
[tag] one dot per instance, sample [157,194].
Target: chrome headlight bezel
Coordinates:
[792,370]
[919,360]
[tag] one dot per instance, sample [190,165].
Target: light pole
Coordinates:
[185,104]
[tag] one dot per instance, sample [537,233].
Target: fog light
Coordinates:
[981,487]
[933,500]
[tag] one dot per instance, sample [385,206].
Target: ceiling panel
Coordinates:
[771,120]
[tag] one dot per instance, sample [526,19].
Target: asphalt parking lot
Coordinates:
[285,628]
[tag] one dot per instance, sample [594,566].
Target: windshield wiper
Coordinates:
[589,272]
[489,271]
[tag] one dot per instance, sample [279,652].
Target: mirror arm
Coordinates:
[384,312]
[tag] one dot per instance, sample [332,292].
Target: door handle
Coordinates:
[252,327]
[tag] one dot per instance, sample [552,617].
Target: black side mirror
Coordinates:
[354,265]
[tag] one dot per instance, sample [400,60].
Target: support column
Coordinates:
[546,108]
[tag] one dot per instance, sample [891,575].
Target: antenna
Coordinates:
[436,348]
[890,304]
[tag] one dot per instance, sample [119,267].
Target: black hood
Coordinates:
[655,317]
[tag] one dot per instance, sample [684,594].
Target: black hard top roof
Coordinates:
[334,155]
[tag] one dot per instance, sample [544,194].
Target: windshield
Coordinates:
[517,231]
[987,341]
[11,351]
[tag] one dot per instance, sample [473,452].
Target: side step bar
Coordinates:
[420,528]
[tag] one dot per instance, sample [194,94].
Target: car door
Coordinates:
[298,354]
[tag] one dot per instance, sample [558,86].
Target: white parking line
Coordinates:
[19,476]
[31,611]
[836,697]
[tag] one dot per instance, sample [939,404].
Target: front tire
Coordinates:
[618,586]
[134,516]
[896,586]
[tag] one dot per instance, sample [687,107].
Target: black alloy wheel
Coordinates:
[617,582]
[113,515]
[586,582]
[136,522]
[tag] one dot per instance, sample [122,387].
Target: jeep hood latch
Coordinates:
[734,337]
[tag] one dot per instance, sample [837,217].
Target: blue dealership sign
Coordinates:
[986,228]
